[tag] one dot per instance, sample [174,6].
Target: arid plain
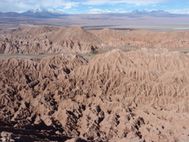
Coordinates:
[72,84]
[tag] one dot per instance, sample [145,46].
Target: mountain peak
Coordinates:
[38,10]
[161,13]
[41,13]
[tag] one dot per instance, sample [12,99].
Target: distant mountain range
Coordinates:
[159,13]
[134,19]
[48,14]
[32,14]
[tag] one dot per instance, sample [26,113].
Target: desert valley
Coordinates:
[97,85]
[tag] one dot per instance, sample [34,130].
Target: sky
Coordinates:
[94,6]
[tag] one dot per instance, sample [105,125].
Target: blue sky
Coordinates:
[95,6]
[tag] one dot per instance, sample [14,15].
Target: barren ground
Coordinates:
[71,84]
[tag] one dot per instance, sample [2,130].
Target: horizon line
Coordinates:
[96,13]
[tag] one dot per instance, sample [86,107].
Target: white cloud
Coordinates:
[91,6]
[98,11]
[179,11]
[23,5]
[135,2]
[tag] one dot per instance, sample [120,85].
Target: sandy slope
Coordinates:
[40,40]
[62,95]
[144,38]
[116,96]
